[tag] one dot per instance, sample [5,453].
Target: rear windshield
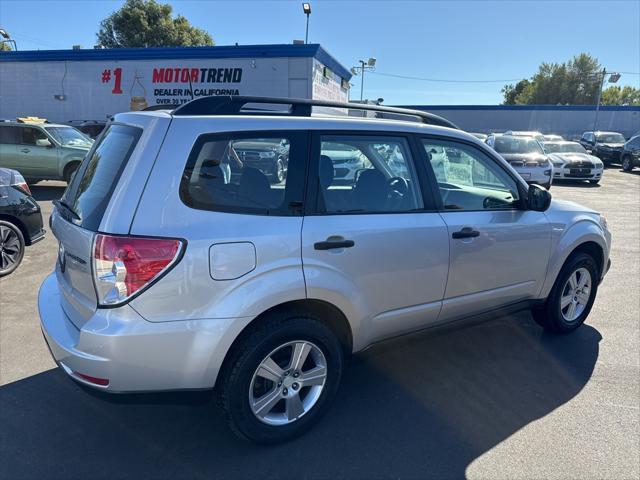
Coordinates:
[91,189]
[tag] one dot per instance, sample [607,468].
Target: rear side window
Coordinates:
[245,173]
[8,135]
[91,188]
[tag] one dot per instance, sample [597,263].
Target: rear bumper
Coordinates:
[133,354]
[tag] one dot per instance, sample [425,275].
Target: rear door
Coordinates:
[371,242]
[499,250]
[8,147]
[79,215]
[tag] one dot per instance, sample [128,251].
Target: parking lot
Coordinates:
[498,399]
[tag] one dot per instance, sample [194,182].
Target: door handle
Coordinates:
[329,244]
[25,150]
[466,232]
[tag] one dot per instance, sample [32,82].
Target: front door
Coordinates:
[37,161]
[371,244]
[499,250]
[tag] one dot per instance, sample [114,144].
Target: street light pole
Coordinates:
[369,64]
[613,78]
[600,87]
[362,80]
[306,8]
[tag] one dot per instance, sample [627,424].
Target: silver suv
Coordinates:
[173,274]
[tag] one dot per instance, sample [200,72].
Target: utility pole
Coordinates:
[600,87]
[369,64]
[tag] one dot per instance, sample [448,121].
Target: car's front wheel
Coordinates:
[279,171]
[627,163]
[280,378]
[571,297]
[11,247]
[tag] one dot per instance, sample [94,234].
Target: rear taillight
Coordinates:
[19,182]
[124,266]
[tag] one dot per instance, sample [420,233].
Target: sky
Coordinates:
[480,44]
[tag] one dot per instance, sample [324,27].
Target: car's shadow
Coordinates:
[574,183]
[422,406]
[43,192]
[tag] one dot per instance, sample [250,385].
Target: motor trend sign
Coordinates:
[175,85]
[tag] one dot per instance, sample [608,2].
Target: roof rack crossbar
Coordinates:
[299,107]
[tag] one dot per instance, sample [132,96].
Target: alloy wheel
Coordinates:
[288,383]
[575,294]
[10,248]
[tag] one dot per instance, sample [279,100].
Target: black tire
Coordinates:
[236,377]
[627,163]
[549,315]
[11,247]
[279,172]
[69,170]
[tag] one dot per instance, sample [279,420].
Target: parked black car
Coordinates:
[20,220]
[91,128]
[270,156]
[631,154]
[607,146]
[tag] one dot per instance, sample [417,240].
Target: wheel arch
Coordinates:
[326,312]
[591,244]
[18,223]
[69,164]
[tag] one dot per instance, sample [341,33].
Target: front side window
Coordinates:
[366,174]
[239,173]
[30,135]
[468,179]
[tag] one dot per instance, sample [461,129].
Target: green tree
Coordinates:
[147,23]
[575,82]
[616,95]
[5,47]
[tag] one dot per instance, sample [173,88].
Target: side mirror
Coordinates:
[538,198]
[43,142]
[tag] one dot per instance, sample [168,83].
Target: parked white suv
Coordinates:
[173,274]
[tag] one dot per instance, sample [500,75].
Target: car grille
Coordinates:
[581,164]
[580,172]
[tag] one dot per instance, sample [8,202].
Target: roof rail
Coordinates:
[300,107]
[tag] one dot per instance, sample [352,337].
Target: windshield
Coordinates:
[611,138]
[572,147]
[69,137]
[511,144]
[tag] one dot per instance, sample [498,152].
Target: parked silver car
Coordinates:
[170,276]
[526,155]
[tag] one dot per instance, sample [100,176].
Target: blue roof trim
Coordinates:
[524,107]
[313,50]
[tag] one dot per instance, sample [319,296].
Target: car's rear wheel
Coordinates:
[11,247]
[69,171]
[627,164]
[571,297]
[280,378]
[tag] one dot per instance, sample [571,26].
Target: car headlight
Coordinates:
[603,222]
[267,154]
[598,166]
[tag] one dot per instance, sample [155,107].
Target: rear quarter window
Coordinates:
[93,185]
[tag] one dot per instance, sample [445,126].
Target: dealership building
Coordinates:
[65,85]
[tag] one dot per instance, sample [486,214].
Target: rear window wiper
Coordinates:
[61,204]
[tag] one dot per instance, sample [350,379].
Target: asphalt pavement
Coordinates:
[499,399]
